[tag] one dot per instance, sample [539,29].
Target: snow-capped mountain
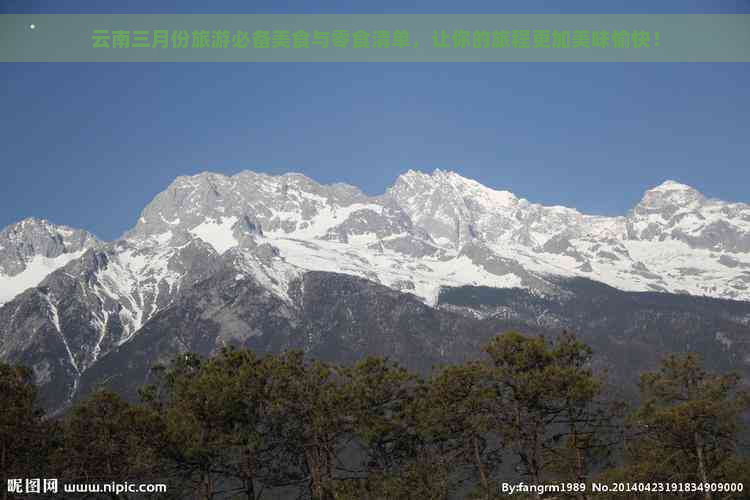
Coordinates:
[32,249]
[674,240]
[426,231]
[441,229]
[70,295]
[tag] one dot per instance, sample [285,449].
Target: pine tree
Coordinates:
[379,393]
[106,439]
[312,411]
[688,425]
[549,406]
[589,425]
[24,443]
[193,439]
[456,417]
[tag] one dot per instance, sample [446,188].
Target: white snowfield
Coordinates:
[32,249]
[426,232]
[217,233]
[37,269]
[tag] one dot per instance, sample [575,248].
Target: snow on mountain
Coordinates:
[427,231]
[33,248]
[675,240]
[217,233]
[441,229]
[36,269]
[679,212]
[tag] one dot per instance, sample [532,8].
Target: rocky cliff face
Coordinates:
[273,262]
[342,318]
[675,240]
[33,248]
[427,231]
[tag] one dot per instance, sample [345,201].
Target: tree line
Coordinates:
[532,411]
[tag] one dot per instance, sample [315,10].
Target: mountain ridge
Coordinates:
[33,248]
[427,233]
[436,214]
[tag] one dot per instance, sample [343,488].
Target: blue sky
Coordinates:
[89,145]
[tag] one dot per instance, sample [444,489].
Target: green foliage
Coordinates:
[380,395]
[310,409]
[422,479]
[455,418]
[22,429]
[550,407]
[238,425]
[106,439]
[688,426]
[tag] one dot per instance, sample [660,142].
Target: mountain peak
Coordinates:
[39,225]
[672,185]
[32,220]
[29,222]
[439,172]
[436,173]
[442,179]
[32,248]
[670,194]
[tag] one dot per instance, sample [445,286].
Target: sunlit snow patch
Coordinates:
[218,234]
[36,270]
